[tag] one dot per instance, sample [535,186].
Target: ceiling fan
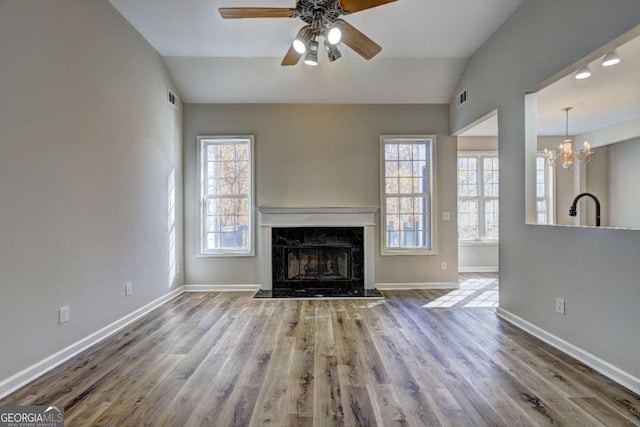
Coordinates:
[323,19]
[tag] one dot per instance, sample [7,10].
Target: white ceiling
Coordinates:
[611,95]
[216,60]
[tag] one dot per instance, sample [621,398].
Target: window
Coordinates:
[226,195]
[407,193]
[544,191]
[478,190]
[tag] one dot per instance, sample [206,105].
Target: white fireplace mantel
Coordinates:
[319,217]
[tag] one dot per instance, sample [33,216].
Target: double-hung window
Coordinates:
[544,191]
[478,190]
[226,195]
[407,194]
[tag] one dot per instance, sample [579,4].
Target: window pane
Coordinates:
[393,205]
[491,219]
[405,152]
[393,222]
[391,185]
[406,185]
[242,169]
[406,204]
[490,176]
[391,169]
[541,211]
[391,151]
[243,186]
[242,151]
[419,168]
[405,169]
[468,220]
[467,177]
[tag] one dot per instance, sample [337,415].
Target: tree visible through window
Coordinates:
[407,194]
[226,195]
[478,192]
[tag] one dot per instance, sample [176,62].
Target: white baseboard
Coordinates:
[22,378]
[605,368]
[490,269]
[222,288]
[406,286]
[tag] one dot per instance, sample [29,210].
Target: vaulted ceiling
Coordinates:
[425,47]
[426,44]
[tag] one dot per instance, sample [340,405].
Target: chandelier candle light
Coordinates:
[566,155]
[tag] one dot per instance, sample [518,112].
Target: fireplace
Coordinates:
[317,260]
[318,252]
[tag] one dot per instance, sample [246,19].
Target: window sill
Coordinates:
[226,254]
[478,242]
[391,252]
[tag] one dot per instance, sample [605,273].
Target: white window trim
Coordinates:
[384,250]
[480,241]
[201,171]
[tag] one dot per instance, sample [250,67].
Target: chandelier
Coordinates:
[565,154]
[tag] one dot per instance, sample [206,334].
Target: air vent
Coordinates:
[462,97]
[172,98]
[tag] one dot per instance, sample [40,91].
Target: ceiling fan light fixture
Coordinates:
[611,58]
[334,36]
[583,72]
[311,58]
[332,51]
[300,46]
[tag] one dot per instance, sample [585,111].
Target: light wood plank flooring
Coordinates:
[224,359]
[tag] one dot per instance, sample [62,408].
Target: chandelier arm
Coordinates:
[586,158]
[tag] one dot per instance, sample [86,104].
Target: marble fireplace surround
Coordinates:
[318,217]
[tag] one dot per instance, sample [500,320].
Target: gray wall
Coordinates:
[87,142]
[320,155]
[624,176]
[595,270]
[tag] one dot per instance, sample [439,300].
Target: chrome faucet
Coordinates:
[573,210]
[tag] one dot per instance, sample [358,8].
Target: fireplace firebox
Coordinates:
[325,261]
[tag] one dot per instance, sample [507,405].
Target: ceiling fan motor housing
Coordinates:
[330,10]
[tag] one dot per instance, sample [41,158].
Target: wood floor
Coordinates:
[224,359]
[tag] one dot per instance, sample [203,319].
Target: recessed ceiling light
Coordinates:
[583,72]
[611,58]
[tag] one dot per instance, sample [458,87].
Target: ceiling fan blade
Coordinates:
[293,57]
[256,12]
[351,6]
[357,41]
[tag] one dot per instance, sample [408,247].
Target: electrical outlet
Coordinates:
[128,288]
[63,314]
[443,265]
[560,305]
[446,216]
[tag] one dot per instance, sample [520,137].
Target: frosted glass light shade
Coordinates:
[334,36]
